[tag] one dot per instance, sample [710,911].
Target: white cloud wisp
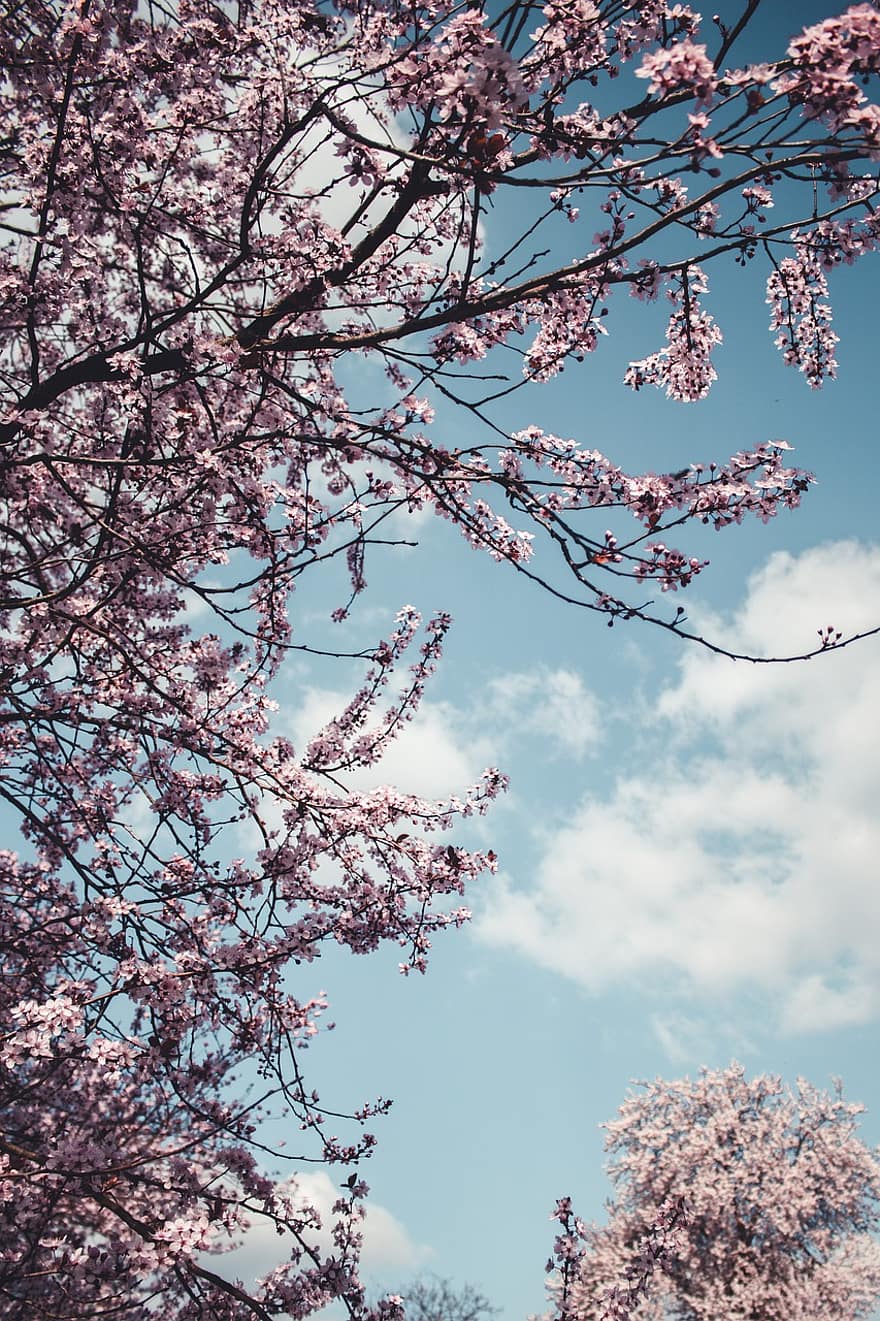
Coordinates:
[744,857]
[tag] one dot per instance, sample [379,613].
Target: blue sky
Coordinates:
[688,851]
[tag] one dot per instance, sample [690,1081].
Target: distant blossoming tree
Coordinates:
[209,212]
[781,1198]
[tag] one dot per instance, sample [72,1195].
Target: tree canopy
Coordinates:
[781,1202]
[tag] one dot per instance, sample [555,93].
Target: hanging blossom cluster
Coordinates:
[571,37]
[798,294]
[684,367]
[211,213]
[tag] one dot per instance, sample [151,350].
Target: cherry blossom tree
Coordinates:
[244,256]
[781,1204]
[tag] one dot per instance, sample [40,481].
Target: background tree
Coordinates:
[211,212]
[781,1201]
[430,1298]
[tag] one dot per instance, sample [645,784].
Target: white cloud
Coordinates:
[387,1247]
[686,1037]
[818,1003]
[552,704]
[681,1037]
[743,858]
[445,748]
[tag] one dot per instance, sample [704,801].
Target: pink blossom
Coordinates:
[683,64]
